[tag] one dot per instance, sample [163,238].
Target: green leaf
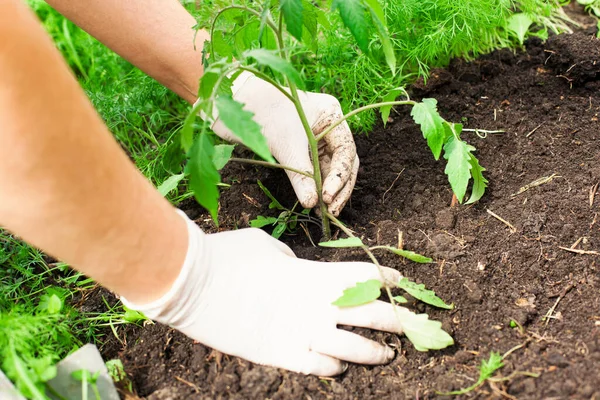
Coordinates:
[204,177]
[116,370]
[261,221]
[423,333]
[222,155]
[169,184]
[381,27]
[241,124]
[50,304]
[279,230]
[20,374]
[432,125]
[355,17]
[81,375]
[264,15]
[220,46]
[274,203]
[385,111]
[419,292]
[340,243]
[293,16]
[400,299]
[209,81]
[458,168]
[133,316]
[411,255]
[173,159]
[276,63]
[362,293]
[486,371]
[519,25]
[479,181]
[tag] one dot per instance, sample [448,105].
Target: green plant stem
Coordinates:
[270,165]
[366,249]
[359,110]
[312,141]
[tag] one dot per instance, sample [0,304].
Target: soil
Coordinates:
[547,101]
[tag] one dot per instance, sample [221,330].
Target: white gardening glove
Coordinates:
[288,143]
[244,293]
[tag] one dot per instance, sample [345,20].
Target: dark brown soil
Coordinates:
[547,101]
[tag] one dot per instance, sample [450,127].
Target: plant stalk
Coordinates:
[270,165]
[312,140]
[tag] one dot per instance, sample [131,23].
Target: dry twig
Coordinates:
[537,182]
[505,222]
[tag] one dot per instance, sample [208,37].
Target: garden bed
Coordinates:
[547,100]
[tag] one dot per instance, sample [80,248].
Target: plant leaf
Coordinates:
[519,25]
[479,181]
[400,299]
[274,203]
[222,155]
[341,243]
[411,255]
[385,111]
[362,293]
[241,124]
[204,177]
[261,221]
[380,25]
[279,230]
[432,125]
[354,15]
[293,16]
[418,291]
[276,63]
[424,333]
[458,168]
[169,184]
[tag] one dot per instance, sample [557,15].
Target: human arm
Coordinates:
[157,37]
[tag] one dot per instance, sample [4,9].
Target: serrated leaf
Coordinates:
[50,304]
[241,124]
[174,157]
[385,111]
[276,63]
[293,16]
[419,292]
[519,25]
[222,155]
[208,83]
[169,184]
[362,293]
[342,243]
[355,17]
[400,299]
[479,181]
[432,125]
[261,221]
[220,46]
[279,230]
[458,167]
[490,366]
[411,255]
[204,177]
[274,202]
[424,333]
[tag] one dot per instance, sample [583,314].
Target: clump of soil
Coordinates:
[546,100]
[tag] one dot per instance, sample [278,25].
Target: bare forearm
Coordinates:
[66,185]
[154,35]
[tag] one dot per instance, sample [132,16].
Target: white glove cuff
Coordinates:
[173,307]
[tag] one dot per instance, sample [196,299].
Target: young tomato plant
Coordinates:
[259,44]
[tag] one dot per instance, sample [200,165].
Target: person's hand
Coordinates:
[288,143]
[244,293]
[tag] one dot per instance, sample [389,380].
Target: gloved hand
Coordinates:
[245,293]
[289,145]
